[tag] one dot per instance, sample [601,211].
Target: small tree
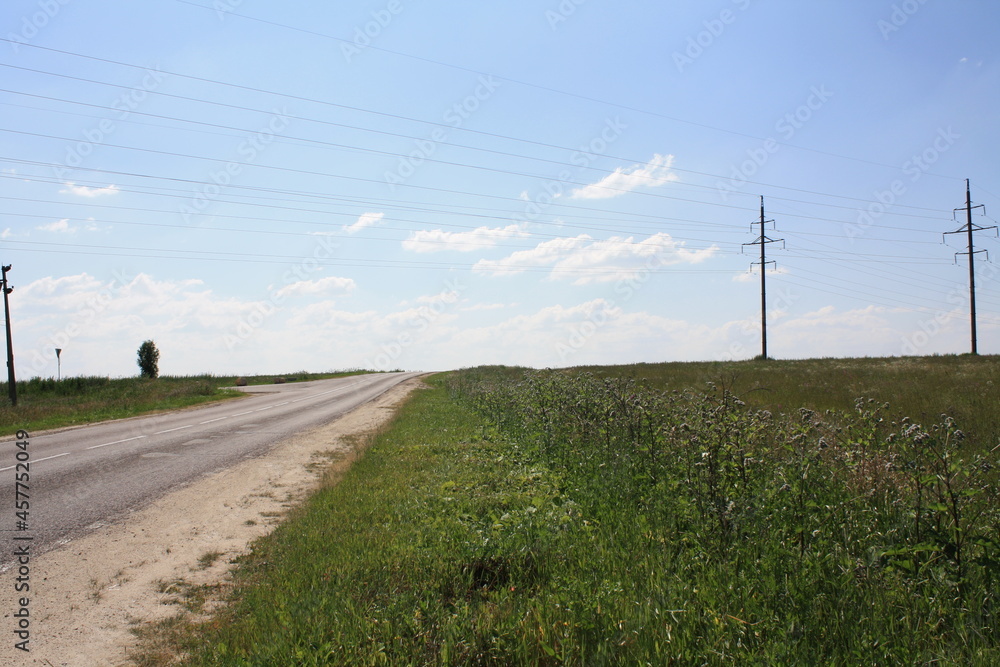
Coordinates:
[149,360]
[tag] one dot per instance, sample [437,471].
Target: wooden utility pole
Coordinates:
[11,382]
[968,228]
[762,241]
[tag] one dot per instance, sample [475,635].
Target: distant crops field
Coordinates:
[813,512]
[967,388]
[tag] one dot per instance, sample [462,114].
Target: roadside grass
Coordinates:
[46,403]
[517,517]
[436,545]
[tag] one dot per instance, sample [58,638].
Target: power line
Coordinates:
[406,118]
[548,89]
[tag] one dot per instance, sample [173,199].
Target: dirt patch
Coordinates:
[89,596]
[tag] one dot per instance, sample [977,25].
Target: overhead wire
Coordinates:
[545,88]
[855,257]
[399,117]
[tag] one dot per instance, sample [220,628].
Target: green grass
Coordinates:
[515,517]
[434,545]
[964,387]
[47,403]
[856,535]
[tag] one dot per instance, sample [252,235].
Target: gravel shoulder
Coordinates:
[88,597]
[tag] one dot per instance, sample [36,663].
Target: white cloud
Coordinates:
[476,307]
[595,331]
[64,226]
[59,226]
[84,191]
[99,320]
[366,220]
[623,180]
[325,286]
[445,296]
[585,260]
[432,310]
[434,240]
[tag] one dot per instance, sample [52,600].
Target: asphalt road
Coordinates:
[84,478]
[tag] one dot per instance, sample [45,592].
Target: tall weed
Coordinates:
[838,536]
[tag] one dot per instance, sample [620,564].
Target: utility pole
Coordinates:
[968,229]
[762,241]
[11,382]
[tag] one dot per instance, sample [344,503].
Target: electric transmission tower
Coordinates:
[968,228]
[762,241]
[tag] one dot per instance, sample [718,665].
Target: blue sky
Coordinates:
[263,188]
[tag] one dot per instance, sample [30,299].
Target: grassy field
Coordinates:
[964,387]
[48,403]
[517,517]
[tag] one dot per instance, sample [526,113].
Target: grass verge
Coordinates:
[433,547]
